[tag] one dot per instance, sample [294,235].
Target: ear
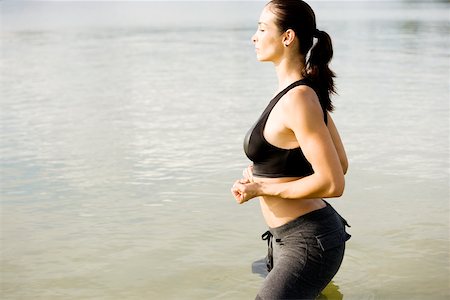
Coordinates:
[289,36]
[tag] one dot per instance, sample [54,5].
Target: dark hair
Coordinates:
[299,16]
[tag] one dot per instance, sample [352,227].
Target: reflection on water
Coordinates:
[260,267]
[118,147]
[331,292]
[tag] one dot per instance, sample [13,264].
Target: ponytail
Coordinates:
[318,71]
[299,16]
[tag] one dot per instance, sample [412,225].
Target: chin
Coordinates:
[261,58]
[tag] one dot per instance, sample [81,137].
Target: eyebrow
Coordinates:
[259,23]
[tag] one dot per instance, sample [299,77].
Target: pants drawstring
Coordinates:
[267,236]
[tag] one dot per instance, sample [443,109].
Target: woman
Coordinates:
[297,155]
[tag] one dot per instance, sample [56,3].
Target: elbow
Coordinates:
[344,165]
[336,187]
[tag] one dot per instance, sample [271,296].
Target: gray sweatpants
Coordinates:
[307,253]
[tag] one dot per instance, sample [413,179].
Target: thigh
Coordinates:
[287,278]
[321,264]
[303,265]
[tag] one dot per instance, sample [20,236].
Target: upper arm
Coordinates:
[304,116]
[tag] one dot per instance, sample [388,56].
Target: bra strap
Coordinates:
[293,85]
[290,87]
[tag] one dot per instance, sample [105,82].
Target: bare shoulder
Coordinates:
[302,101]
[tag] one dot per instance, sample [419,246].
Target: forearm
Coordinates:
[312,186]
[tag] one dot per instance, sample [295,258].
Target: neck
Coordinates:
[288,71]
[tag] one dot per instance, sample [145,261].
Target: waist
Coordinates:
[278,211]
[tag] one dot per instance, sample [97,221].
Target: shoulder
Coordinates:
[302,101]
[304,92]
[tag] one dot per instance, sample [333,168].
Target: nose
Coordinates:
[254,38]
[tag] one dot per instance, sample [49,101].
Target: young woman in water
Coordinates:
[298,157]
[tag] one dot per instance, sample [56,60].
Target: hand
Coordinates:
[244,190]
[247,173]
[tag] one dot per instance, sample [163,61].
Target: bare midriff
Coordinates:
[279,211]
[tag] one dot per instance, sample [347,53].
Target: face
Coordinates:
[268,39]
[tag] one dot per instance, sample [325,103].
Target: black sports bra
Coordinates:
[269,160]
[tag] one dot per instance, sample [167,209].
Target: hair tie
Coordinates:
[316,33]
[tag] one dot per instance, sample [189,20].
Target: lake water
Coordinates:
[121,134]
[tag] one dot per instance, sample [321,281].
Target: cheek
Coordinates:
[270,44]
[268,47]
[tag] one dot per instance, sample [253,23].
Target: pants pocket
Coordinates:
[332,239]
